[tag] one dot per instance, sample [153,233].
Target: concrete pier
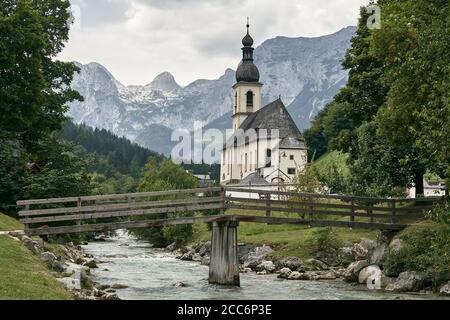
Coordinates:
[224,263]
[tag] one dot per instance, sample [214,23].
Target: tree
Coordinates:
[166,176]
[34,87]
[414,46]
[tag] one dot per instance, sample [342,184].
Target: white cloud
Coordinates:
[192,39]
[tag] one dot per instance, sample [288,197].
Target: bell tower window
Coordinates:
[249,101]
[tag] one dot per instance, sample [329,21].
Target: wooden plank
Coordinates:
[315,212]
[319,223]
[117,206]
[103,227]
[329,205]
[118,196]
[330,196]
[116,214]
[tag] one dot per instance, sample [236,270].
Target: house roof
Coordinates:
[275,116]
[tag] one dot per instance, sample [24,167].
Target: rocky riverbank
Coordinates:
[71,266]
[360,263]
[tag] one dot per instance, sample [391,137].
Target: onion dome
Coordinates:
[247,70]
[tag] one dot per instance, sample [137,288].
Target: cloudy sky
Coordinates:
[138,39]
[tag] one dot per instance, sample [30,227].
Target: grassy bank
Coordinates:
[287,240]
[22,275]
[9,224]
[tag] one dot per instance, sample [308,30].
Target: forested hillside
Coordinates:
[126,157]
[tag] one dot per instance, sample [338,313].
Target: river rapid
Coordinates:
[150,274]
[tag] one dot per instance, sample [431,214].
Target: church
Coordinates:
[265,147]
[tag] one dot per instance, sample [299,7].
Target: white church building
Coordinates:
[266,146]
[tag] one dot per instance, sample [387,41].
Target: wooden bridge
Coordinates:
[209,205]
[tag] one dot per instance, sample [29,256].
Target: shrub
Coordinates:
[324,239]
[426,250]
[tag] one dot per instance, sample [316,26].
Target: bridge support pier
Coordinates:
[224,263]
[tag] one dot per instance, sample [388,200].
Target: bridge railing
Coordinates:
[316,206]
[108,212]
[150,209]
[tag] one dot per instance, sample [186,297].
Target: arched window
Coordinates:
[268,158]
[250,99]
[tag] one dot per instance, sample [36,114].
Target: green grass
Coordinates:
[336,158]
[8,223]
[24,277]
[287,240]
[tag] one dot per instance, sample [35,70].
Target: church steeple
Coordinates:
[247,71]
[247,90]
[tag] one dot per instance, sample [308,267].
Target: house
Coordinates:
[204,180]
[265,146]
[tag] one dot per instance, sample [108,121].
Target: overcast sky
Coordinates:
[138,39]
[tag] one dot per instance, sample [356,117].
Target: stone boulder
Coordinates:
[256,257]
[243,252]
[396,245]
[188,256]
[378,281]
[33,246]
[293,263]
[314,264]
[58,266]
[346,256]
[70,283]
[367,272]
[364,249]
[205,249]
[48,257]
[445,289]
[377,256]
[205,260]
[267,266]
[352,272]
[407,281]
[91,263]
[294,275]
[172,247]
[284,273]
[197,257]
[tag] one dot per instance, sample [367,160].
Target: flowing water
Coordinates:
[152,274]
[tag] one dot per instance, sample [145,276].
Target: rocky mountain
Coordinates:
[305,72]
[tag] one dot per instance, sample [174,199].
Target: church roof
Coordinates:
[253,178]
[270,117]
[275,116]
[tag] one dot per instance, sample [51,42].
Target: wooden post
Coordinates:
[311,209]
[224,263]
[267,196]
[394,218]
[352,217]
[222,200]
[79,207]
[26,227]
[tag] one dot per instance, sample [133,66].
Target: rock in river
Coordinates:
[293,263]
[267,266]
[352,272]
[406,281]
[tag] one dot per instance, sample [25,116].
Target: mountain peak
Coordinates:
[165,82]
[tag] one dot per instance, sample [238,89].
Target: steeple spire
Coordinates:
[247,71]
